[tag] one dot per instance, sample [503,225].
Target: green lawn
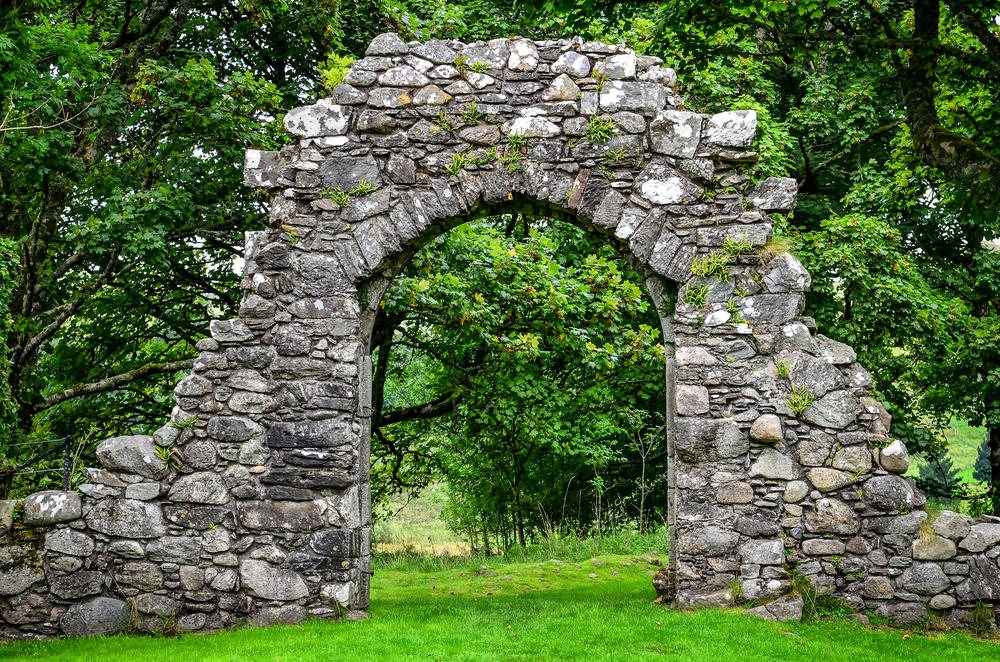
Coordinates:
[527,611]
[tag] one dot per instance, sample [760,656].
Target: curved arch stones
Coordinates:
[264,512]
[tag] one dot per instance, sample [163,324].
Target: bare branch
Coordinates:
[111,383]
[432,409]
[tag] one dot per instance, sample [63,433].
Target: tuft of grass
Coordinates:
[473,115]
[489,156]
[695,295]
[443,121]
[713,265]
[734,312]
[616,155]
[363,187]
[775,247]
[338,195]
[458,162]
[601,128]
[799,399]
[480,67]
[737,247]
[517,142]
[784,368]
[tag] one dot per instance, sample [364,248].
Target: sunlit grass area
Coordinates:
[585,609]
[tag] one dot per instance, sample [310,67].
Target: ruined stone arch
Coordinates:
[265,514]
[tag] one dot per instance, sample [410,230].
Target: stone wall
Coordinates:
[253,504]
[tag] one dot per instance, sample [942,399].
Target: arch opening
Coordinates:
[568,336]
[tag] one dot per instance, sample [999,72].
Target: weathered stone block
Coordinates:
[126,518]
[271,583]
[95,617]
[831,515]
[52,507]
[281,515]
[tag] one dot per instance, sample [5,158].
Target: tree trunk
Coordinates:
[995,467]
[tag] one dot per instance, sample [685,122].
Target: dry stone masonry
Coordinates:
[253,503]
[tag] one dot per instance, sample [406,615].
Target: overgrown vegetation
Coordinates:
[799,400]
[712,265]
[108,109]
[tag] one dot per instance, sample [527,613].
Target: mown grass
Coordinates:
[527,611]
[963,442]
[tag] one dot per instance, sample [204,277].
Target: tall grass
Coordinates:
[555,544]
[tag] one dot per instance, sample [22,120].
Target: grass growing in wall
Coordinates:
[799,399]
[713,265]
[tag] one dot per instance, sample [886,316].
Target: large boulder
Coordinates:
[200,487]
[831,515]
[127,518]
[135,454]
[708,541]
[95,617]
[20,567]
[925,579]
[981,536]
[782,609]
[775,465]
[52,507]
[272,583]
[889,493]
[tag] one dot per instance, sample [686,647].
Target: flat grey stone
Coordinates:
[95,617]
[199,487]
[68,541]
[775,465]
[272,583]
[134,454]
[52,507]
[387,43]
[734,128]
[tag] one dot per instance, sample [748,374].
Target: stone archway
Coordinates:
[264,513]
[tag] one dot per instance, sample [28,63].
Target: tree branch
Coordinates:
[940,147]
[110,383]
[432,409]
[977,27]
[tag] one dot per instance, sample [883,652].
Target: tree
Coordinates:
[514,347]
[122,131]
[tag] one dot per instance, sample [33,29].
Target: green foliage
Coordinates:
[8,269]
[982,470]
[938,476]
[616,155]
[458,162]
[479,67]
[712,265]
[540,342]
[695,295]
[473,115]
[783,367]
[443,121]
[512,155]
[601,129]
[333,71]
[363,187]
[517,142]
[488,156]
[736,247]
[338,195]
[169,457]
[799,399]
